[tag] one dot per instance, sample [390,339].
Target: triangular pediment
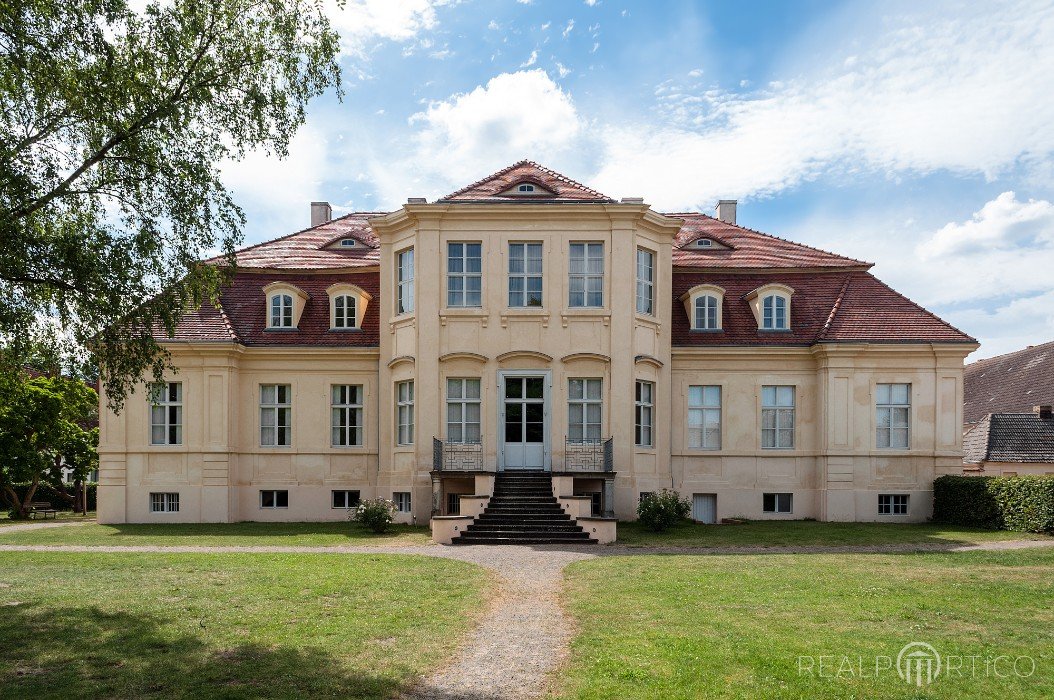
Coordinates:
[526,180]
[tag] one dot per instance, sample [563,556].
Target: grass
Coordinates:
[228,625]
[774,533]
[62,515]
[219,534]
[735,626]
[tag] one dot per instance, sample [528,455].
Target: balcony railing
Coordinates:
[458,456]
[589,455]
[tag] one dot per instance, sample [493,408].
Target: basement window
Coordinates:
[893,504]
[777,502]
[274,499]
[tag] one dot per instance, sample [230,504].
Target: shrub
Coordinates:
[375,513]
[1023,503]
[662,510]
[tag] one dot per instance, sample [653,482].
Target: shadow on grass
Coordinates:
[336,530]
[84,652]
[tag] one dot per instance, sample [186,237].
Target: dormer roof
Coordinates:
[550,186]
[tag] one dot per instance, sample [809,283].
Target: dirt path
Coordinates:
[42,525]
[525,634]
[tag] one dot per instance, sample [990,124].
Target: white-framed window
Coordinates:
[645,281]
[706,313]
[777,502]
[526,189]
[777,417]
[166,413]
[525,275]
[404,303]
[464,279]
[276,413]
[892,504]
[344,311]
[281,315]
[704,417]
[774,313]
[644,418]
[584,409]
[270,498]
[402,501]
[404,412]
[164,502]
[348,242]
[346,415]
[345,500]
[586,275]
[462,410]
[893,416]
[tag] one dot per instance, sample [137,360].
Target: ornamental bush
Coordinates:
[662,510]
[1023,503]
[375,513]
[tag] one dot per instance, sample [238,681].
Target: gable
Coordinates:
[503,185]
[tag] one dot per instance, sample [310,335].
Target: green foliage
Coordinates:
[113,126]
[661,511]
[377,514]
[1022,503]
[44,423]
[59,498]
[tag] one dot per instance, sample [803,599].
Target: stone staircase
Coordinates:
[523,510]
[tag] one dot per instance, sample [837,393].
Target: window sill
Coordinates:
[275,329]
[648,320]
[775,331]
[469,312]
[344,330]
[401,321]
[586,314]
[708,331]
[525,313]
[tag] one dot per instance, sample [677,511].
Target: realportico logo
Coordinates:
[918,663]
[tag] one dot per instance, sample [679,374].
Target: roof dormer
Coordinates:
[704,305]
[527,188]
[285,305]
[771,305]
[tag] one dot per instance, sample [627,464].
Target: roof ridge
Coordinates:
[922,308]
[227,320]
[774,237]
[525,161]
[834,307]
[1037,346]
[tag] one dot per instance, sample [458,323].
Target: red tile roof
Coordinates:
[1011,383]
[560,187]
[746,248]
[245,304]
[306,249]
[827,307]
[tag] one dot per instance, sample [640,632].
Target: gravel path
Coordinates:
[43,525]
[525,634]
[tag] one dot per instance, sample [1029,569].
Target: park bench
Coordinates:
[43,508]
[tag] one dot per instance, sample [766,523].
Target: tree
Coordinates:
[44,422]
[113,124]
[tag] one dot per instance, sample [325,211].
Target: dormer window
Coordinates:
[348,243]
[347,306]
[774,313]
[704,243]
[526,189]
[281,311]
[771,305]
[703,306]
[285,304]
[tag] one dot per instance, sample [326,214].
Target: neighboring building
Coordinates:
[1011,383]
[1011,444]
[530,322]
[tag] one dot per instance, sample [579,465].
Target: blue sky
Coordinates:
[914,135]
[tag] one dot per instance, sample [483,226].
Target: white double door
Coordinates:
[523,420]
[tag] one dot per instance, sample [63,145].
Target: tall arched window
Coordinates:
[281,311]
[774,313]
[706,313]
[344,311]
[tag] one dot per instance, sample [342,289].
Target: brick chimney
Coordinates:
[726,210]
[1045,412]
[321,213]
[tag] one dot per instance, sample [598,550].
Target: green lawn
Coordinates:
[735,626]
[228,625]
[59,517]
[772,533]
[218,534]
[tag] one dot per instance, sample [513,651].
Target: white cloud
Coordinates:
[569,27]
[965,91]
[531,60]
[1001,224]
[360,21]
[514,116]
[493,25]
[562,70]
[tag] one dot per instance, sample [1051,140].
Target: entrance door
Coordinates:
[704,508]
[524,421]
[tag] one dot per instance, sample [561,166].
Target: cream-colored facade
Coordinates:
[834,470]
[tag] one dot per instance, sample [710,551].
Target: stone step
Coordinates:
[518,540]
[518,519]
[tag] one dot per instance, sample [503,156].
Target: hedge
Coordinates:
[47,492]
[1023,503]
